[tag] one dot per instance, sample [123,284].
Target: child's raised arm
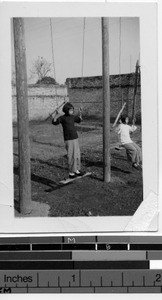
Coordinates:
[80,113]
[78,118]
[116,127]
[133,127]
[55,118]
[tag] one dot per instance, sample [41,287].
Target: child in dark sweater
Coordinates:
[70,137]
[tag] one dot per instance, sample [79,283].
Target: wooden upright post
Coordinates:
[135,92]
[22,117]
[106,100]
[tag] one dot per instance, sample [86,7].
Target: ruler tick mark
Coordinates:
[143,280]
[80,278]
[101,281]
[58,281]
[37,279]
[122,279]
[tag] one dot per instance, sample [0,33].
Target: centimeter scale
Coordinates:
[80,264]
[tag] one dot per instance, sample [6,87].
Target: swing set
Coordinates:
[124,104]
[22,100]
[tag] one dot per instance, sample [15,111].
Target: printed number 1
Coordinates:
[73,278]
[158,277]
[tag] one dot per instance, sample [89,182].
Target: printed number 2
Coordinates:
[158,277]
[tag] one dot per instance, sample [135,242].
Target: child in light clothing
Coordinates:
[70,137]
[132,149]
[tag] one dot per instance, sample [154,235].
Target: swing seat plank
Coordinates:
[68,180]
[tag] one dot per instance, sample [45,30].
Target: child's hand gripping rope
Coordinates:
[55,115]
[133,121]
[80,112]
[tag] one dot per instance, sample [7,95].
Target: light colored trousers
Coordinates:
[134,153]
[73,155]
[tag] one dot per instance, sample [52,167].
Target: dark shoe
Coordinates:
[72,176]
[79,174]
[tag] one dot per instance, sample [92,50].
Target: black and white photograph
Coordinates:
[84,126]
[78,118]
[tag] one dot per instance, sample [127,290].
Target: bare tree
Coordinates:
[41,67]
[13,76]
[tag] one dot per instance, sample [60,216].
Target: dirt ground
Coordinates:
[88,196]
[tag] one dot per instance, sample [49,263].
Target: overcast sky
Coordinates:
[68,45]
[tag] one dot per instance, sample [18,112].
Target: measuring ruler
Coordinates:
[94,264]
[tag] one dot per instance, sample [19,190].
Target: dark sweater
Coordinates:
[68,126]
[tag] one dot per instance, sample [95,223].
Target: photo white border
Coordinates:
[147,12]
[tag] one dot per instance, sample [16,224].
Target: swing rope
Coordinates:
[53,62]
[54,73]
[128,87]
[83,44]
[120,27]
[120,46]
[52,47]
[135,91]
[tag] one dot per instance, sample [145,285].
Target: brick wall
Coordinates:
[96,81]
[90,96]
[42,100]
